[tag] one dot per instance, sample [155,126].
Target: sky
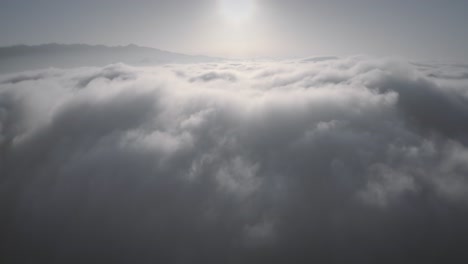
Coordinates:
[414,29]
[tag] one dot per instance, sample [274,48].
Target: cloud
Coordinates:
[210,76]
[328,160]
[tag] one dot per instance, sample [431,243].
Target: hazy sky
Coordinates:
[418,29]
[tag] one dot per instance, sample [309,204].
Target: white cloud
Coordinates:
[245,161]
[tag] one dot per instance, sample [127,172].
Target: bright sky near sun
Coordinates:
[427,29]
[236,11]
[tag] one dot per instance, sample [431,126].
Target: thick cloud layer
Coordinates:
[330,160]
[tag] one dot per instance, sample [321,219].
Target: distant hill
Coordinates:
[22,57]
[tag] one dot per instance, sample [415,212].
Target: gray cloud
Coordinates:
[211,76]
[339,160]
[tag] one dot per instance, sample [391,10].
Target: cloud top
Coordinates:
[325,159]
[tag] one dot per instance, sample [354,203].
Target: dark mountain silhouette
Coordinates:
[23,57]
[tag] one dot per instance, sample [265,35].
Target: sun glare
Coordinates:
[236,10]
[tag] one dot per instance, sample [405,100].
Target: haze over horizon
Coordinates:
[420,30]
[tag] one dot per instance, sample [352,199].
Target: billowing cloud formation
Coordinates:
[334,160]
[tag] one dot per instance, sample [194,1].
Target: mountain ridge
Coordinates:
[29,57]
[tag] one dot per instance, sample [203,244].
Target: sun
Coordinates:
[236,10]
